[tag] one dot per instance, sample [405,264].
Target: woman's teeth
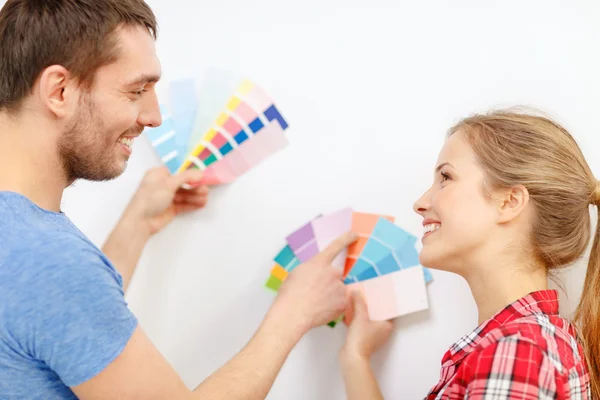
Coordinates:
[430,228]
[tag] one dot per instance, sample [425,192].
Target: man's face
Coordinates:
[121,102]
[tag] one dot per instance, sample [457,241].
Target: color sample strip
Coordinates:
[256,98]
[249,154]
[385,238]
[363,225]
[303,242]
[329,228]
[164,141]
[213,91]
[287,259]
[273,283]
[247,113]
[285,262]
[389,249]
[273,114]
[184,106]
[315,236]
[279,272]
[393,295]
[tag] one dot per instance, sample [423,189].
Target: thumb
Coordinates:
[357,309]
[359,305]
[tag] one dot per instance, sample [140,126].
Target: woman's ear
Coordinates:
[512,202]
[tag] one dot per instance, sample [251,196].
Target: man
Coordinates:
[77,84]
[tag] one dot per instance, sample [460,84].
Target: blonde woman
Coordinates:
[508,204]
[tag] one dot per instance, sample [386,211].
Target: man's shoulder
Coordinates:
[46,248]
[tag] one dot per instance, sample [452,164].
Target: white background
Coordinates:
[369,89]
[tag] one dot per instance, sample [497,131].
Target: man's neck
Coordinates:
[29,164]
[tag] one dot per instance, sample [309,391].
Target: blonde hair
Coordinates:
[517,148]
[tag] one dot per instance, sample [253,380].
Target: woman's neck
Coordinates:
[498,284]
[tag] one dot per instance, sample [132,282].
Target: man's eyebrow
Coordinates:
[143,80]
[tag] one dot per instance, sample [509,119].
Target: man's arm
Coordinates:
[157,201]
[125,244]
[141,372]
[311,296]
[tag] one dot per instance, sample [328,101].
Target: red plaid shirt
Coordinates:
[526,351]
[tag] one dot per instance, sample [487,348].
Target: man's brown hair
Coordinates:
[77,34]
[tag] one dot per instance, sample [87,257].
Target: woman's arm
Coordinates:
[363,339]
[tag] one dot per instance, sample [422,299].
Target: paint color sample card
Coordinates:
[184,106]
[394,295]
[164,142]
[363,225]
[315,236]
[248,129]
[285,262]
[383,262]
[245,133]
[388,249]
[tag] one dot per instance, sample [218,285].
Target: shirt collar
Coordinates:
[540,302]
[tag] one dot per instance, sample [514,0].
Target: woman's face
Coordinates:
[457,217]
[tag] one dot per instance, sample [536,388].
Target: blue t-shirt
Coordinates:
[63,315]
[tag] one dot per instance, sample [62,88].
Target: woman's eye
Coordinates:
[444,176]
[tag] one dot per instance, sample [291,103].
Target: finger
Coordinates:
[338,274]
[211,180]
[185,194]
[339,244]
[159,171]
[191,177]
[184,208]
[198,201]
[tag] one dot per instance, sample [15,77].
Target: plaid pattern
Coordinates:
[526,351]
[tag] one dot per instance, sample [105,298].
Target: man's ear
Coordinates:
[512,202]
[57,90]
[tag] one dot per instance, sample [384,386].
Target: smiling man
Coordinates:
[77,84]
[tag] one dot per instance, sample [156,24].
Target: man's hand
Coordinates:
[314,293]
[160,197]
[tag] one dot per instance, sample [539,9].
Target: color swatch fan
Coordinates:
[383,263]
[248,129]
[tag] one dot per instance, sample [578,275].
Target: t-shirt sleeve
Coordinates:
[510,368]
[74,317]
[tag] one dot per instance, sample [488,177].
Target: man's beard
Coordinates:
[87,150]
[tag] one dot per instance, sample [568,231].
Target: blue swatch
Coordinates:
[273,114]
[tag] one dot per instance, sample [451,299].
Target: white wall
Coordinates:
[353,78]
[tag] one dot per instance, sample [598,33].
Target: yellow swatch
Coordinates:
[222,119]
[245,87]
[198,149]
[210,135]
[234,102]
[279,272]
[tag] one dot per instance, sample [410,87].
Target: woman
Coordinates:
[509,203]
